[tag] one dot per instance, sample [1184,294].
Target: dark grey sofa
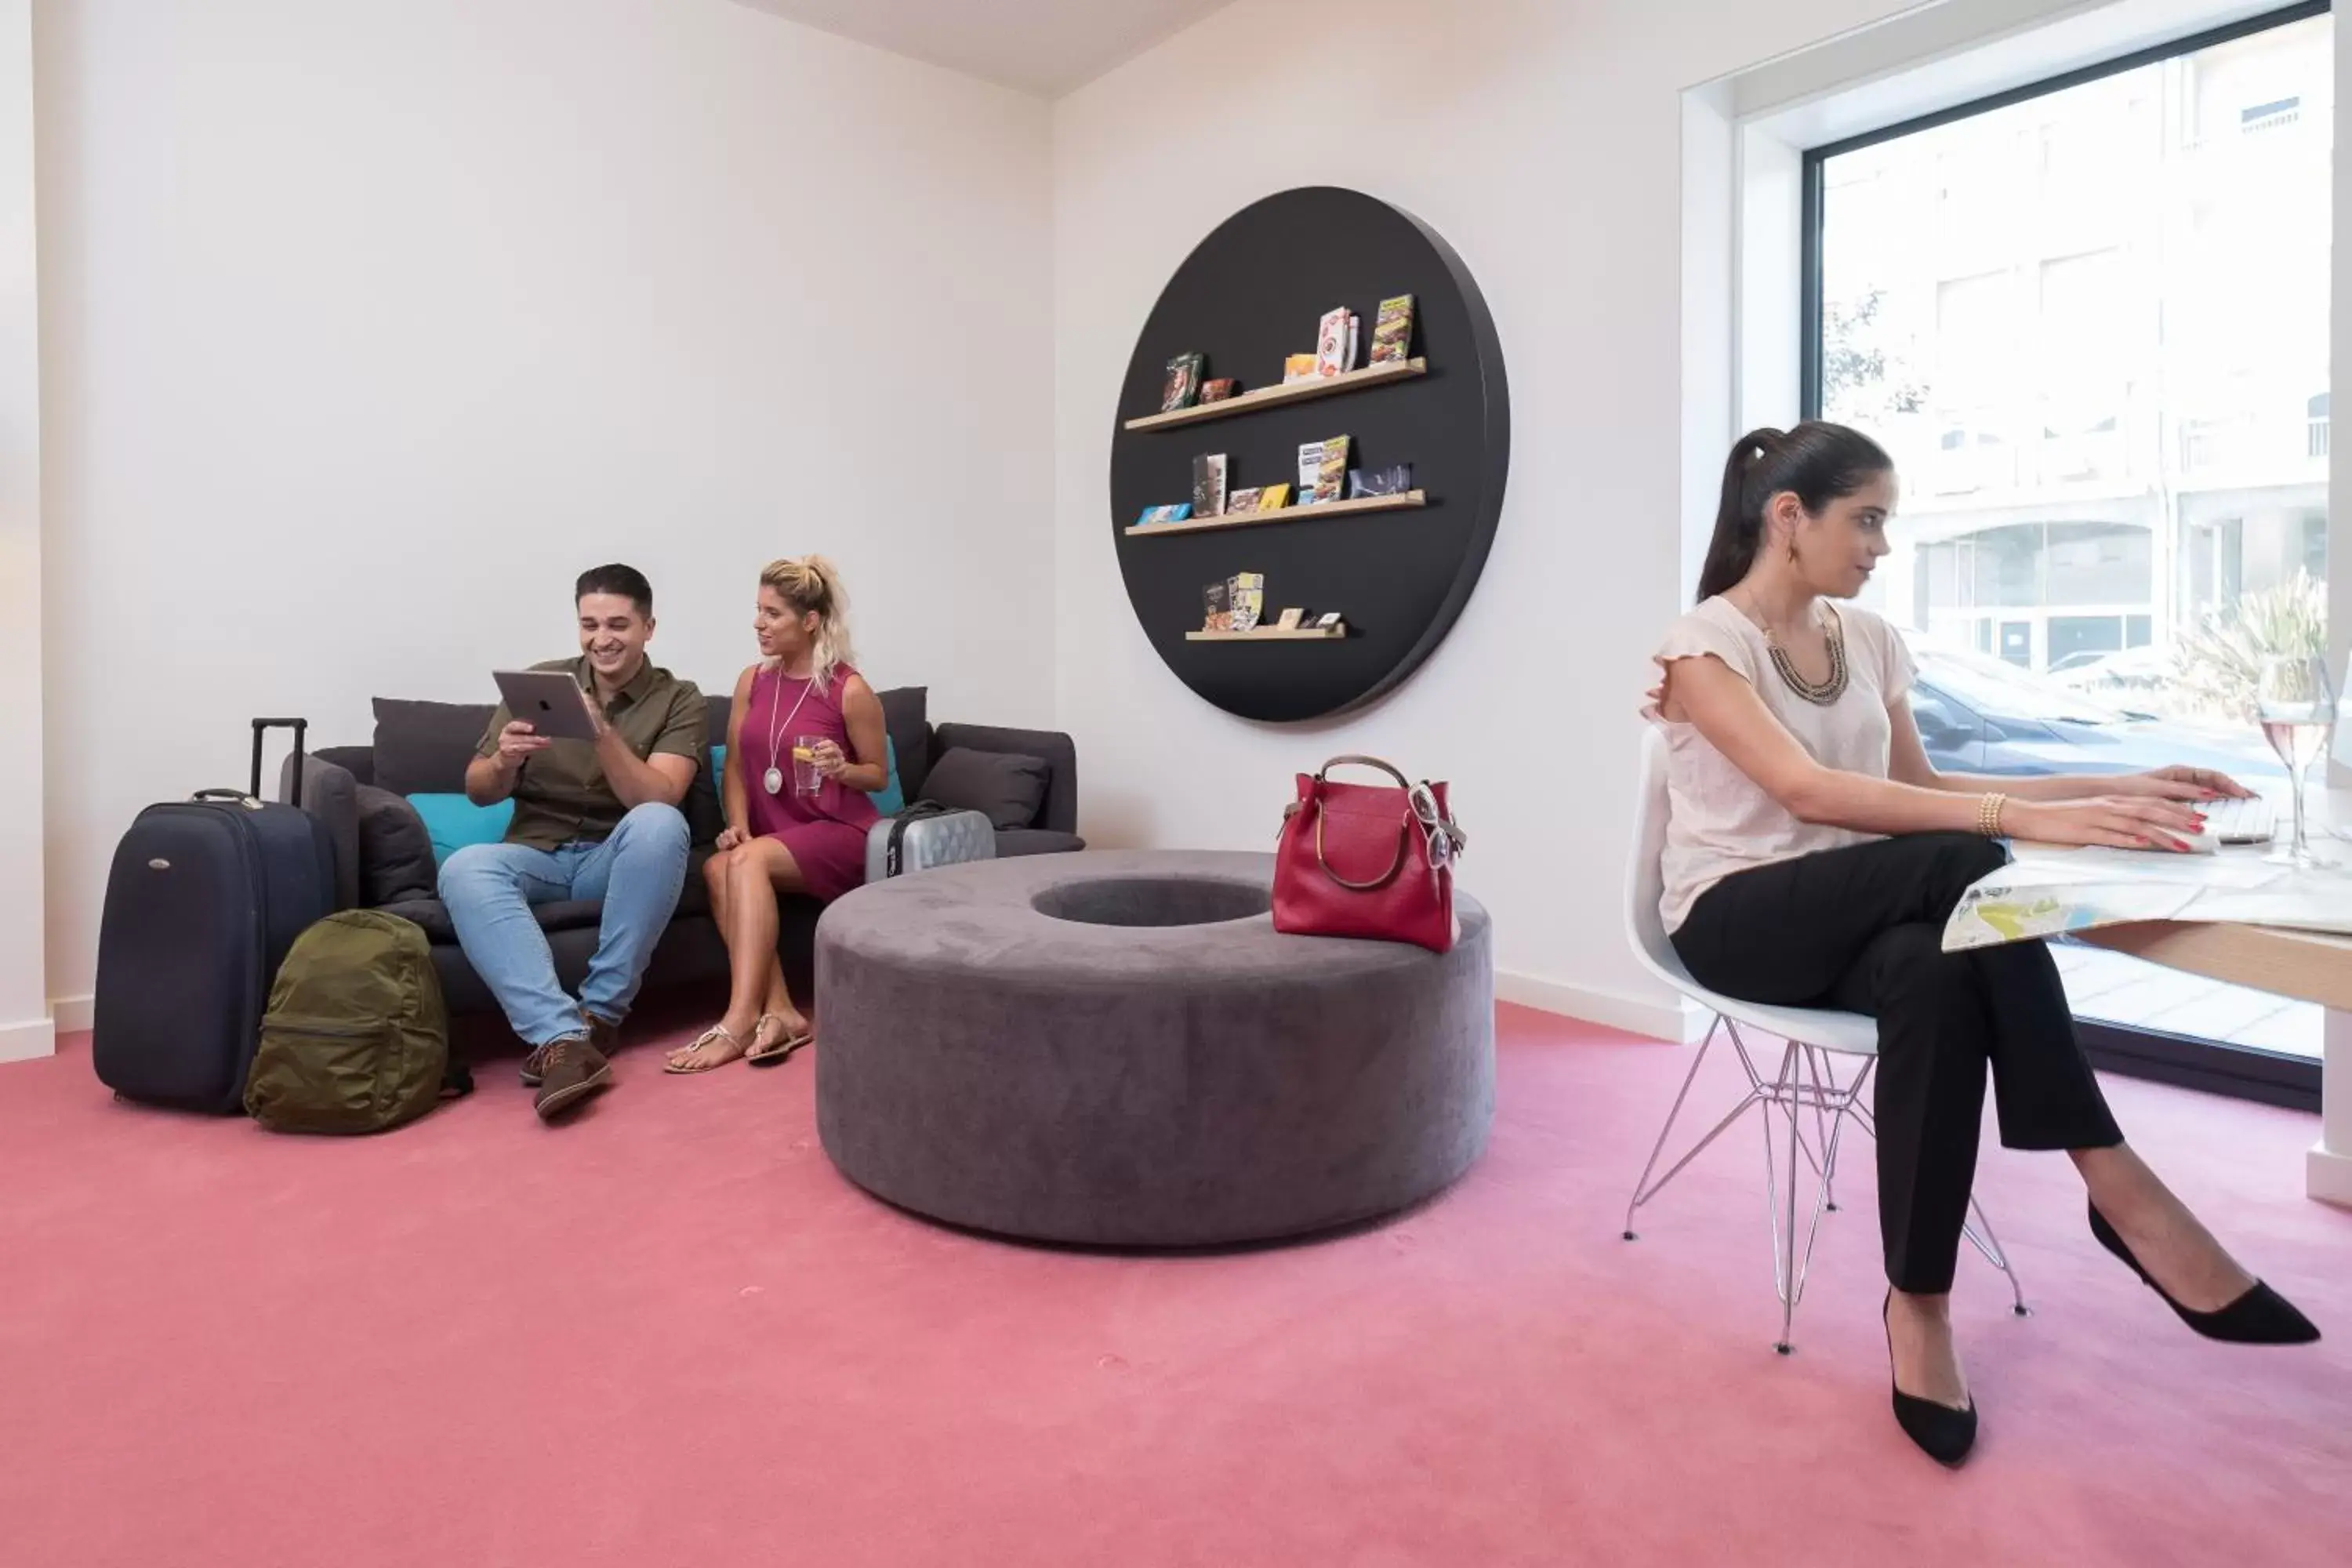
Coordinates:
[690,951]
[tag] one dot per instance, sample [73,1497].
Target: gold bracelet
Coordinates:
[1988,815]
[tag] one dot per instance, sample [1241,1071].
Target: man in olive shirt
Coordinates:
[592,820]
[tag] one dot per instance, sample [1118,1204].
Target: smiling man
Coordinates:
[594,820]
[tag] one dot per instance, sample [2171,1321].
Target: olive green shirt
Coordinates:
[561,795]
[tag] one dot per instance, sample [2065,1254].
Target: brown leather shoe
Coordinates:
[602,1035]
[572,1072]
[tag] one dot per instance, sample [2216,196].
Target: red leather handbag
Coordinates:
[1367,860]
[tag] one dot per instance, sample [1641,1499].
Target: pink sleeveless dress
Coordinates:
[827,831]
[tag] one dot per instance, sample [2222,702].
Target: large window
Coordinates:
[2090,320]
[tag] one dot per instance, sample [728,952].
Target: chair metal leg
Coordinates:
[1673,1114]
[1784,1256]
[1979,1230]
[1806,1078]
[1793,1093]
[1823,1074]
[1644,1190]
[1979,1234]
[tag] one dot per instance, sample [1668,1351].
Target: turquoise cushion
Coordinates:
[453,822]
[889,802]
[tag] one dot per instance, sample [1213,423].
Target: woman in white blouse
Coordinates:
[1813,855]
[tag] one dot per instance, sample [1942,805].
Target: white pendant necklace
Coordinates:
[772,780]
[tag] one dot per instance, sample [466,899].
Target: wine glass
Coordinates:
[2295,703]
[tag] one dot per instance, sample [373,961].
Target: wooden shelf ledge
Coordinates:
[1288,391]
[1274,633]
[1399,502]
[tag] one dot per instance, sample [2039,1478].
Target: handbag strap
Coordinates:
[1442,839]
[1405,847]
[1404,829]
[1324,772]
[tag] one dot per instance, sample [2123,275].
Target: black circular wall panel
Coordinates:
[1248,296]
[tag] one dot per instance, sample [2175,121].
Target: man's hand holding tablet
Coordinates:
[545,705]
[517,742]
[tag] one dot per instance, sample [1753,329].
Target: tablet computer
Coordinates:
[549,701]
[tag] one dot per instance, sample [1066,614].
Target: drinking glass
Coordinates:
[2295,703]
[806,780]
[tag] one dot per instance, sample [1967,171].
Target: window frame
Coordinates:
[2244,1072]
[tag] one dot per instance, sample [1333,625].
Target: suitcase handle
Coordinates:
[302,727]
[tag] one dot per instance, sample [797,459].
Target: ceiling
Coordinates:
[1044,47]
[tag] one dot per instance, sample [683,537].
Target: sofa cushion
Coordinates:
[397,862]
[694,898]
[892,798]
[571,914]
[330,793]
[433,915]
[1013,841]
[906,720]
[425,747]
[1005,787]
[455,823]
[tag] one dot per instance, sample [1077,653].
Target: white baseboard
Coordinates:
[1670,1019]
[72,1014]
[22,1042]
[2327,1175]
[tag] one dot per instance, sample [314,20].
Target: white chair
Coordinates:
[1806,1079]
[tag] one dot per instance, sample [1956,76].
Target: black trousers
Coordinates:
[1862,929]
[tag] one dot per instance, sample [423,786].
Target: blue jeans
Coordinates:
[489,889]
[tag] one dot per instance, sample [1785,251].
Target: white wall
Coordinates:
[1543,141]
[367,324]
[24,1029]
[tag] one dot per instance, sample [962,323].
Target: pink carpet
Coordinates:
[671,1335]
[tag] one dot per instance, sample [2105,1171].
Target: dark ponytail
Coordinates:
[1818,461]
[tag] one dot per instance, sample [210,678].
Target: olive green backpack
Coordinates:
[356,1038]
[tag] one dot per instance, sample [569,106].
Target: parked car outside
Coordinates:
[2123,678]
[1977,715]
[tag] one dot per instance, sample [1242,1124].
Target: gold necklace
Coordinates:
[1820,693]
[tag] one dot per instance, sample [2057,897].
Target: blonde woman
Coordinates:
[779,839]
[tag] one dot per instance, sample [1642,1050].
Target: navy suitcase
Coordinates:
[203,900]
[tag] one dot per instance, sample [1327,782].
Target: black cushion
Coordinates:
[572,914]
[906,720]
[396,850]
[428,913]
[330,793]
[423,748]
[1005,787]
[1013,841]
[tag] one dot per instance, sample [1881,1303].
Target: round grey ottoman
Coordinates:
[1118,1050]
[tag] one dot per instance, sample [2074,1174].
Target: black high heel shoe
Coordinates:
[2258,1316]
[1943,1435]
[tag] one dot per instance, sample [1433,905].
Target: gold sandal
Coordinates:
[716,1032]
[760,1056]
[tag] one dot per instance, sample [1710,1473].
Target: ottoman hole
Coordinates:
[1153,901]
